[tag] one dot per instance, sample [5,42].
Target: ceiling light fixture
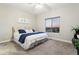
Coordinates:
[38,6]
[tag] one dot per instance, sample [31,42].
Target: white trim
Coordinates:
[48,37]
[60,39]
[5,41]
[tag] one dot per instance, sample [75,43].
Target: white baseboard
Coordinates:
[60,40]
[48,37]
[5,41]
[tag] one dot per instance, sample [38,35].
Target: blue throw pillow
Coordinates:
[21,31]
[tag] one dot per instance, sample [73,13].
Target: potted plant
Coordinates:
[75,40]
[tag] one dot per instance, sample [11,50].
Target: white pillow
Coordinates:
[29,31]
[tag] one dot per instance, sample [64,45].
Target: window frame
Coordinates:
[52,27]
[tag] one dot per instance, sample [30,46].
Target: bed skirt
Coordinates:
[37,43]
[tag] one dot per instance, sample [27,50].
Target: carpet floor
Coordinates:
[51,47]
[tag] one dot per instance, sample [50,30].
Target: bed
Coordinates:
[29,39]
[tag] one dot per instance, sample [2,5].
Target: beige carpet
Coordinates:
[51,47]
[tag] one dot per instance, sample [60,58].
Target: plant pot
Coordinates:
[77,51]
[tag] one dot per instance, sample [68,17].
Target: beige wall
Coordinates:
[69,17]
[8,18]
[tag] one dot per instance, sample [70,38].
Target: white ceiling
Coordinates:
[30,7]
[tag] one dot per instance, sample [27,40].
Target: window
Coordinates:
[53,24]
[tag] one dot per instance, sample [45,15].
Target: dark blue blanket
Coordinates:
[23,36]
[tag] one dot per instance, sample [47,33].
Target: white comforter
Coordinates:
[30,39]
